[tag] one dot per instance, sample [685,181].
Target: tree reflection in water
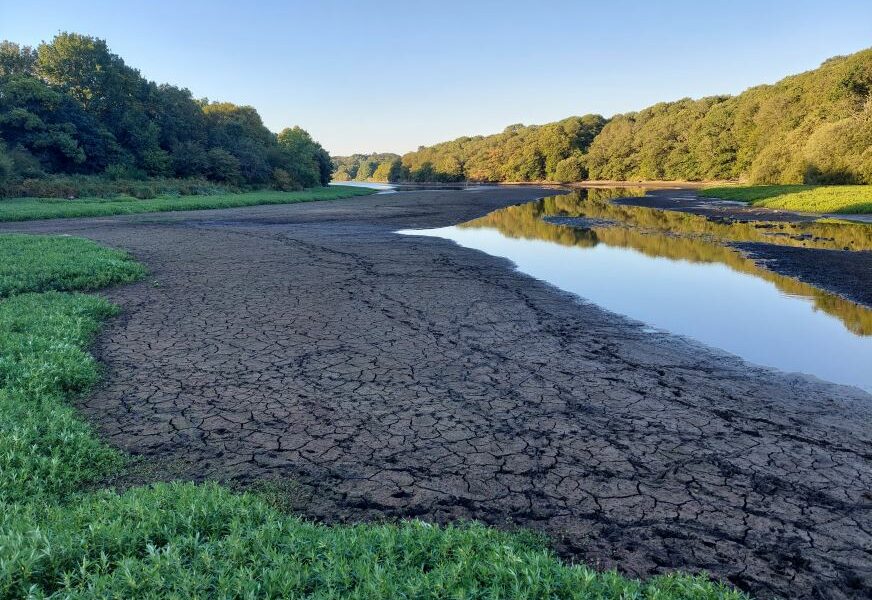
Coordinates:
[682,236]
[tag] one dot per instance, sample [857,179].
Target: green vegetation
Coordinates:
[684,236]
[183,541]
[553,152]
[93,186]
[71,106]
[25,209]
[180,540]
[47,452]
[36,263]
[367,167]
[846,199]
[815,127]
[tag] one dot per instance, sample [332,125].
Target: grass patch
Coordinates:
[27,209]
[46,451]
[36,263]
[189,541]
[845,199]
[183,540]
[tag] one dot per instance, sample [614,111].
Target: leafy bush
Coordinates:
[117,180]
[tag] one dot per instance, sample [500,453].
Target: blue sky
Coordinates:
[389,76]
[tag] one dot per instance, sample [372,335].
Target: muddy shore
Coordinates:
[374,376]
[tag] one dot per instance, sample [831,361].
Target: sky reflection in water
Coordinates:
[673,272]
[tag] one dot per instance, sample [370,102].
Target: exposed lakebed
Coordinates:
[681,273]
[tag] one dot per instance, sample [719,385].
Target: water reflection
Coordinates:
[674,271]
[393,188]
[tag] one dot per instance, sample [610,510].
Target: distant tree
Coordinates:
[189,159]
[6,165]
[304,158]
[812,127]
[223,166]
[572,168]
[16,60]
[365,170]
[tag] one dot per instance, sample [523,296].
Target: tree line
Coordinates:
[71,106]
[815,127]
[378,166]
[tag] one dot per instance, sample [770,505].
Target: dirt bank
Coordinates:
[384,376]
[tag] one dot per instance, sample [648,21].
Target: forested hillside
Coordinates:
[71,106]
[367,167]
[815,127]
[555,151]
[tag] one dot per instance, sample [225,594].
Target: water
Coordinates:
[686,280]
[392,188]
[383,188]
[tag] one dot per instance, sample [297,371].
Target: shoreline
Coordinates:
[381,377]
[841,272]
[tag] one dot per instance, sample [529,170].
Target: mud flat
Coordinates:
[374,376]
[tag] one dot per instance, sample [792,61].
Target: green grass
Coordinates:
[180,540]
[37,263]
[46,451]
[28,209]
[189,541]
[845,199]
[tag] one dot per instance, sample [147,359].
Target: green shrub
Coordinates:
[148,197]
[117,180]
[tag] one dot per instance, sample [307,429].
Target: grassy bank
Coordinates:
[26,209]
[846,199]
[203,541]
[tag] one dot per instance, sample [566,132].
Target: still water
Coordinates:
[393,188]
[674,272]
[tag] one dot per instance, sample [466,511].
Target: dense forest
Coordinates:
[367,167]
[815,127]
[554,151]
[71,106]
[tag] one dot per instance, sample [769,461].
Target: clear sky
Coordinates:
[389,76]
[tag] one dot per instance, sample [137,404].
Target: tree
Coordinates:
[16,60]
[223,166]
[365,170]
[6,165]
[76,107]
[305,159]
[572,168]
[189,159]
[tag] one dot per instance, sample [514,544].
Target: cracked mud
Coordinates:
[391,376]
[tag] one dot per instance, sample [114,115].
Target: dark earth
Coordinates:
[372,375]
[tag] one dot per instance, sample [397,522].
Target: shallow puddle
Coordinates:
[676,272]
